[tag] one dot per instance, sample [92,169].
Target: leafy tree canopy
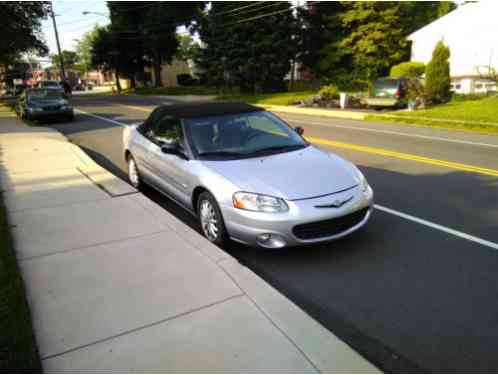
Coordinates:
[20,29]
[248,44]
[188,48]
[437,75]
[366,38]
[84,48]
[70,58]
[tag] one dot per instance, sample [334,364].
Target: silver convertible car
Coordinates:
[247,175]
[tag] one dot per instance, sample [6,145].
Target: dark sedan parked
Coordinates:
[44,104]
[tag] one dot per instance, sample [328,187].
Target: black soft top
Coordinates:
[201,109]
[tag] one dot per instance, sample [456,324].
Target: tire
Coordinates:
[211,219]
[133,173]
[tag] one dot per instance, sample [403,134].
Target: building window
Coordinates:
[458,86]
[479,86]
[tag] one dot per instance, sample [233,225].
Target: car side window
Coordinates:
[167,130]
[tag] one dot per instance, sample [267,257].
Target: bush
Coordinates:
[410,69]
[185,80]
[437,75]
[329,92]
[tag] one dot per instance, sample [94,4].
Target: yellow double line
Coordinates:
[384,152]
[403,156]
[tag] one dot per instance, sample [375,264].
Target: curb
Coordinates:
[316,112]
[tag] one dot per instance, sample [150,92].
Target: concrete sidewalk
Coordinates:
[116,283]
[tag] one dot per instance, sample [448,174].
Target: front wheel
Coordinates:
[133,174]
[211,219]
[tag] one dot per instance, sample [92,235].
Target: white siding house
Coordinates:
[471,33]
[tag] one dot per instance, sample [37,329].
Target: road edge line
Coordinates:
[439,227]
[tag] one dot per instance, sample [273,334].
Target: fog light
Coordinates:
[264,237]
[269,240]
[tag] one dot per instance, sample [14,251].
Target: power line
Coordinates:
[291,8]
[235,9]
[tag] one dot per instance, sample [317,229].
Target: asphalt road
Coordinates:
[410,291]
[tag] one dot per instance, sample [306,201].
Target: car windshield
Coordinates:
[44,95]
[241,136]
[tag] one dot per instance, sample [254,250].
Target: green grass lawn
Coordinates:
[457,114]
[18,351]
[284,98]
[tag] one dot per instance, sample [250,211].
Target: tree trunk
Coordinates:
[118,84]
[133,83]
[158,82]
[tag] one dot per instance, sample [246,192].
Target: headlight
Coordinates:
[34,109]
[66,107]
[363,180]
[258,202]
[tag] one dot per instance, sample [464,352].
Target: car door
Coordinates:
[172,170]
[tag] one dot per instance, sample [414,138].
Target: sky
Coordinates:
[71,23]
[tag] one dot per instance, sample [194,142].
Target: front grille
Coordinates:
[330,227]
[51,108]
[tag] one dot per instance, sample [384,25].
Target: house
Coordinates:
[169,72]
[471,33]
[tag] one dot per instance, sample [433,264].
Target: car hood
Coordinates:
[47,102]
[301,174]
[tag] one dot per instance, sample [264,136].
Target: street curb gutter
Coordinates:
[111,184]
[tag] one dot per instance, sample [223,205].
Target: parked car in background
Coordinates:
[83,86]
[247,175]
[44,104]
[51,85]
[390,93]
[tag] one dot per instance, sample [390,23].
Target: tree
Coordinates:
[437,75]
[250,48]
[410,69]
[70,58]
[84,49]
[20,29]
[188,48]
[318,27]
[105,54]
[147,30]
[372,37]
[161,20]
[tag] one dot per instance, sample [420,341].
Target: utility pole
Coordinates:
[61,59]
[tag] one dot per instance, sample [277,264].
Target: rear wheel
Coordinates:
[133,174]
[211,219]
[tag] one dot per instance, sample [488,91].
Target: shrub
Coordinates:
[410,69]
[437,75]
[185,80]
[329,92]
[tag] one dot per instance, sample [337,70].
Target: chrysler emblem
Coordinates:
[335,204]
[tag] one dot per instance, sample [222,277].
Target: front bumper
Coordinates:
[47,115]
[248,227]
[383,102]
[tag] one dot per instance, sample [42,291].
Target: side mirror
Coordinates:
[299,130]
[173,148]
[170,148]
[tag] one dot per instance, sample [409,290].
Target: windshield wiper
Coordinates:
[278,148]
[220,153]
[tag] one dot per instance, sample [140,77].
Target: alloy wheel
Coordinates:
[133,172]
[209,220]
